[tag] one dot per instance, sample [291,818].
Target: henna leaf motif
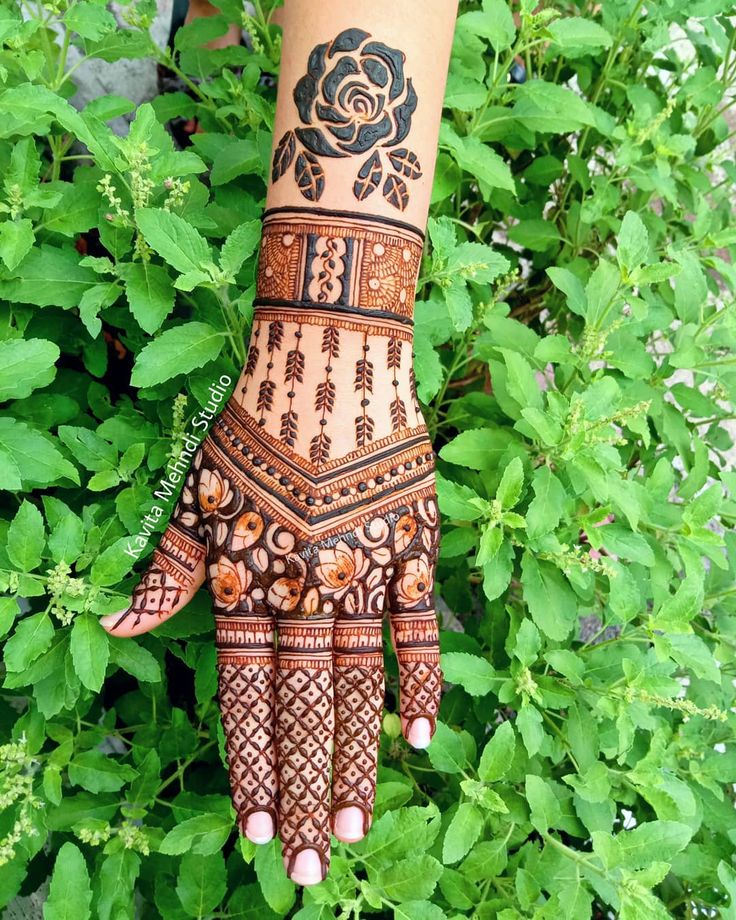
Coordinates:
[405,163]
[265,395]
[363,430]
[310,177]
[289,426]
[395,191]
[364,375]
[283,155]
[369,177]
[252,360]
[331,341]
[319,448]
[325,397]
[294,366]
[398,414]
[393,353]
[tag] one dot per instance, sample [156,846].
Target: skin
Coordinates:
[299,587]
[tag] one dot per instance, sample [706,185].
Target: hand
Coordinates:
[310,509]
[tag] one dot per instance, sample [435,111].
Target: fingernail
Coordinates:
[307,868]
[259,827]
[420,733]
[110,619]
[348,825]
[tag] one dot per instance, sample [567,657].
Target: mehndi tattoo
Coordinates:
[312,506]
[353,99]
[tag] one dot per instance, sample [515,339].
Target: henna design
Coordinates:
[309,528]
[353,98]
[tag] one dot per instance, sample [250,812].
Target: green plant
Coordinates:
[574,352]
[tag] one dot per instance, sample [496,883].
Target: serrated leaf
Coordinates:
[26,538]
[497,754]
[176,351]
[90,652]
[474,674]
[173,238]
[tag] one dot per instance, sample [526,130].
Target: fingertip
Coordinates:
[419,733]
[307,868]
[259,827]
[111,620]
[348,825]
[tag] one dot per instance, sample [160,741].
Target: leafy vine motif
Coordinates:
[354,99]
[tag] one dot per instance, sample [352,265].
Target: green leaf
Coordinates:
[550,108]
[576,37]
[90,651]
[478,159]
[134,658]
[26,538]
[521,381]
[204,834]
[633,241]
[477,449]
[112,564]
[278,890]
[547,507]
[70,892]
[150,293]
[117,877]
[236,158]
[90,20]
[9,610]
[418,910]
[446,750]
[497,754]
[176,351]
[413,878]
[545,809]
[173,238]
[94,771]
[512,481]
[202,883]
[462,832]
[92,451]
[472,673]
[550,598]
[16,239]
[239,246]
[32,636]
[535,234]
[49,276]
[495,22]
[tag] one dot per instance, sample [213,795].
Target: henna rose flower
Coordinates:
[414,582]
[214,491]
[339,567]
[229,581]
[354,96]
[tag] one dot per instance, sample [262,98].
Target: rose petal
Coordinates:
[315,141]
[348,40]
[331,83]
[395,62]
[402,115]
[368,136]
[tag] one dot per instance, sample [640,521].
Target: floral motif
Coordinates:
[214,492]
[340,567]
[248,529]
[414,582]
[406,530]
[229,581]
[285,593]
[354,97]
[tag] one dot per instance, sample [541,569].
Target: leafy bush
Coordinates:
[574,342]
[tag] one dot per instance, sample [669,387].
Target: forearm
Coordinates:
[359,104]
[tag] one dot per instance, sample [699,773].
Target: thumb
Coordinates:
[172,579]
